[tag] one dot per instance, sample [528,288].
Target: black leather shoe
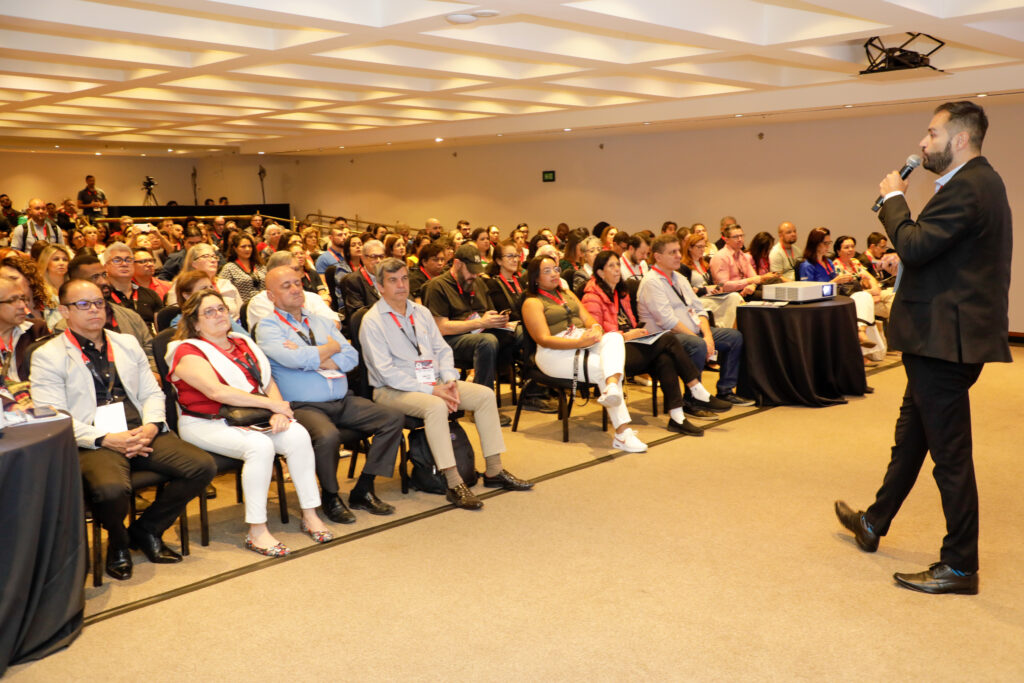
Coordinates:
[939,578]
[211,492]
[735,400]
[152,546]
[714,404]
[504,420]
[371,503]
[686,427]
[119,563]
[508,481]
[462,497]
[855,522]
[540,405]
[697,412]
[335,509]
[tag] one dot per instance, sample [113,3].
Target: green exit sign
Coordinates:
[548,176]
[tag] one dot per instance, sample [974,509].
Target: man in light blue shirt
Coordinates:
[333,255]
[309,359]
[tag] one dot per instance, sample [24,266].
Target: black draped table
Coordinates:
[801,354]
[42,541]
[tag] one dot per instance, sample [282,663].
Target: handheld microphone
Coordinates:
[912,162]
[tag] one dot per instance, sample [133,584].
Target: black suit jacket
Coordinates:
[953,298]
[356,293]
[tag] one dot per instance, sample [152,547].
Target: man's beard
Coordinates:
[939,162]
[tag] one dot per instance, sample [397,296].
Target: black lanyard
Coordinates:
[310,340]
[111,368]
[412,323]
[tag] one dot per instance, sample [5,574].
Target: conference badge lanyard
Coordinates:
[19,390]
[518,289]
[689,310]
[426,374]
[110,416]
[366,276]
[571,329]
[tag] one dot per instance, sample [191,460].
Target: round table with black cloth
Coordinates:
[42,541]
[801,354]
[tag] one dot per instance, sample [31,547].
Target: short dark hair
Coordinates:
[81,259]
[662,241]
[192,231]
[622,238]
[664,226]
[967,116]
[876,238]
[429,251]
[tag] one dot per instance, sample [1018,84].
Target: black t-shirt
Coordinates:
[447,299]
[142,300]
[90,195]
[101,380]
[417,281]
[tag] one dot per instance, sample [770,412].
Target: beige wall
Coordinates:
[814,173]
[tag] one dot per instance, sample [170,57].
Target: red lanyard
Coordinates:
[412,322]
[244,268]
[310,340]
[3,345]
[366,276]
[629,267]
[117,295]
[111,367]
[461,293]
[667,278]
[560,301]
[518,289]
[425,273]
[829,269]
[338,258]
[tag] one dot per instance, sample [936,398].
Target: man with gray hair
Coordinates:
[359,288]
[119,262]
[411,368]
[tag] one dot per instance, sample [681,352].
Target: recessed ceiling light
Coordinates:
[99,154]
[460,18]
[341,147]
[169,149]
[739,116]
[500,135]
[486,13]
[647,123]
[387,143]
[848,106]
[567,130]
[438,139]
[982,94]
[142,155]
[56,146]
[261,152]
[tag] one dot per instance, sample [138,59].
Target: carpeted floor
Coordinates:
[716,558]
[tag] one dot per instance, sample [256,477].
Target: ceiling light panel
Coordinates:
[758,72]
[572,43]
[651,87]
[377,13]
[554,97]
[319,74]
[476,105]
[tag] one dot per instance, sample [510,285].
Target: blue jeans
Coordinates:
[728,343]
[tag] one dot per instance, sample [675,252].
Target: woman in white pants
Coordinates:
[211,366]
[567,336]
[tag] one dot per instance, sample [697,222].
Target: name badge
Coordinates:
[110,418]
[330,374]
[425,373]
[694,317]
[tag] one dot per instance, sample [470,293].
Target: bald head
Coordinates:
[787,233]
[284,289]
[433,228]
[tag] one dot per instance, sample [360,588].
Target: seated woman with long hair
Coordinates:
[211,366]
[563,330]
[608,301]
[204,257]
[244,268]
[759,248]
[696,268]
[505,286]
[818,267]
[53,263]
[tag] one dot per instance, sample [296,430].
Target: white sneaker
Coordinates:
[612,395]
[628,441]
[643,380]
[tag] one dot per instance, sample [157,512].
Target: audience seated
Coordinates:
[608,302]
[572,345]
[309,358]
[760,246]
[260,305]
[334,254]
[145,264]
[102,380]
[478,334]
[411,368]
[204,258]
[733,269]
[695,267]
[429,264]
[244,268]
[359,288]
[784,255]
[211,367]
[590,247]
[17,333]
[667,302]
[846,263]
[173,264]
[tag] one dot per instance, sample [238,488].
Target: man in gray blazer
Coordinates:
[102,379]
[949,318]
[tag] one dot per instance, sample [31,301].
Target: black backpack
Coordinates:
[425,475]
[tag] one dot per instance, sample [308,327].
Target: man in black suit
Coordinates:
[949,318]
[359,288]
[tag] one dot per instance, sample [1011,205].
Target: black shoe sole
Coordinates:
[966,590]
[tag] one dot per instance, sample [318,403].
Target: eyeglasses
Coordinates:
[515,256]
[204,257]
[85,304]
[122,260]
[549,271]
[373,257]
[24,300]
[215,312]
[144,261]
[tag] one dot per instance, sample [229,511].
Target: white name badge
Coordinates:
[425,372]
[331,374]
[110,418]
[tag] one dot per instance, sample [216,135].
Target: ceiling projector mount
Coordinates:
[882,59]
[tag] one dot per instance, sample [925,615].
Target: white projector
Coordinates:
[798,292]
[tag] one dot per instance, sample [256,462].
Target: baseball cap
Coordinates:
[470,255]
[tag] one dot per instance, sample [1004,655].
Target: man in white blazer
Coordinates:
[102,379]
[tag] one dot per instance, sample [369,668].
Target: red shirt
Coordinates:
[191,398]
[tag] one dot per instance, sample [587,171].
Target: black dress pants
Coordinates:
[935,417]
[107,475]
[667,360]
[322,420]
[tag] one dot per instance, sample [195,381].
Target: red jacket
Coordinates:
[604,309]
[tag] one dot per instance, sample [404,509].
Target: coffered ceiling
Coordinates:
[313,76]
